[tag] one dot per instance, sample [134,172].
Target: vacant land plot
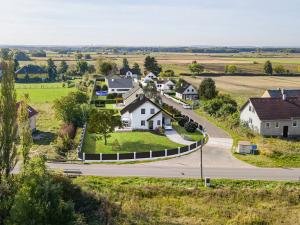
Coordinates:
[150,201]
[243,87]
[136,141]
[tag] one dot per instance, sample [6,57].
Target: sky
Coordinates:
[150,22]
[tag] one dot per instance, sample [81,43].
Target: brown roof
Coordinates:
[275,108]
[32,112]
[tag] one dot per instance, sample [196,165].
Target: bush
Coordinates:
[64,144]
[159,131]
[183,121]
[191,127]
[104,87]
[67,129]
[222,105]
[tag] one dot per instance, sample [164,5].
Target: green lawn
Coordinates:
[152,201]
[197,136]
[42,93]
[136,141]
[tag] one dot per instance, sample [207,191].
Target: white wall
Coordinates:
[33,122]
[246,116]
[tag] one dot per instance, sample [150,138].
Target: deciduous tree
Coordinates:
[103,122]
[268,68]
[196,68]
[207,89]
[63,67]
[136,69]
[51,69]
[279,69]
[151,65]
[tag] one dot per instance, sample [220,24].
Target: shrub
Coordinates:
[67,129]
[159,130]
[64,144]
[104,87]
[190,127]
[183,121]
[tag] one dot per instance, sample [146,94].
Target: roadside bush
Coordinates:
[111,96]
[183,121]
[222,105]
[190,127]
[64,144]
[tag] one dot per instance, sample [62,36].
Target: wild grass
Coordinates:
[186,201]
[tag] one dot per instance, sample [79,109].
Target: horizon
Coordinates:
[156,23]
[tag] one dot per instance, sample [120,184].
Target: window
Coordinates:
[250,120]
[267,125]
[112,89]
[188,90]
[152,111]
[143,111]
[158,122]
[277,125]
[250,108]
[294,123]
[142,122]
[192,90]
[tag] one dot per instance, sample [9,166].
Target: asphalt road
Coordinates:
[218,162]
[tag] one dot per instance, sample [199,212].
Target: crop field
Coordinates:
[243,87]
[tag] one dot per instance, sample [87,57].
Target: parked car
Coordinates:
[186,106]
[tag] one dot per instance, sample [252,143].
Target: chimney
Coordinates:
[112,80]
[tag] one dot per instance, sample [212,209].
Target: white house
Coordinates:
[143,114]
[150,77]
[32,116]
[165,85]
[119,85]
[273,116]
[278,93]
[186,91]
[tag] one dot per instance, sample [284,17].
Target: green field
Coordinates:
[42,93]
[151,201]
[136,141]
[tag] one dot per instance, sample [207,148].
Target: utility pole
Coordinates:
[201,164]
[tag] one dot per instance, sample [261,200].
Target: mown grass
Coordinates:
[197,136]
[186,202]
[136,141]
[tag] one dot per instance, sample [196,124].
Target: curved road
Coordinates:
[218,161]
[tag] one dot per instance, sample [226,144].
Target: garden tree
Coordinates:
[106,68]
[103,122]
[136,69]
[24,128]
[125,64]
[78,56]
[268,68]
[72,108]
[231,69]
[51,70]
[5,53]
[279,69]
[82,67]
[40,198]
[179,83]
[222,105]
[207,89]
[8,120]
[91,69]
[150,91]
[151,65]
[196,68]
[87,56]
[63,67]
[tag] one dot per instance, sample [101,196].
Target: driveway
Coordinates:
[175,137]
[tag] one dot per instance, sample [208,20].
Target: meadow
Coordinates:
[147,201]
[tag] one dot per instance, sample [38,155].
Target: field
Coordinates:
[135,141]
[150,201]
[41,98]
[243,87]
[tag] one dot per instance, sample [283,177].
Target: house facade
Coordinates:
[143,114]
[165,85]
[119,85]
[272,116]
[32,116]
[186,91]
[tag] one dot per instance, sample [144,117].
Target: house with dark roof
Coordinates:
[186,91]
[278,93]
[32,116]
[144,114]
[273,116]
[132,94]
[119,85]
[165,85]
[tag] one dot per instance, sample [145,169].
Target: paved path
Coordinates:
[175,137]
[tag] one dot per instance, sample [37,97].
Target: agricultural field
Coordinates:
[136,141]
[152,201]
[243,87]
